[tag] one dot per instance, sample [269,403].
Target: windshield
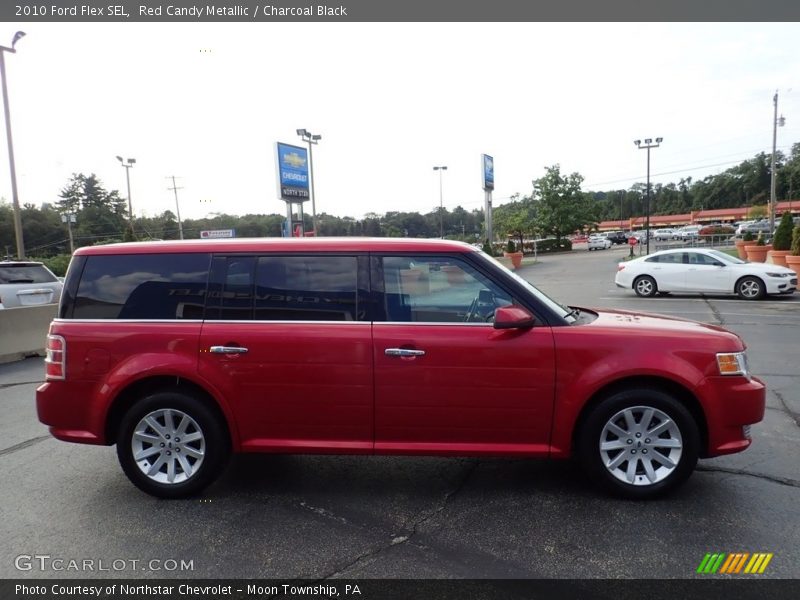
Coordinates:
[566,313]
[726,258]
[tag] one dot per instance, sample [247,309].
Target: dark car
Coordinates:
[618,237]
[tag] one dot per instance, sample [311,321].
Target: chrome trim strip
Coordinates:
[209,321]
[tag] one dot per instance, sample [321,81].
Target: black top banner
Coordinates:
[398,10]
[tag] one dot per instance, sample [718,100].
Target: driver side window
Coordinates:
[439,290]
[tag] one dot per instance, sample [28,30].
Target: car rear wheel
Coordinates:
[645,286]
[750,288]
[639,443]
[171,445]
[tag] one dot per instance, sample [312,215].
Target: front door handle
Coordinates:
[227,350]
[403,352]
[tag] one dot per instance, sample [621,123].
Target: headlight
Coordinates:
[778,274]
[733,363]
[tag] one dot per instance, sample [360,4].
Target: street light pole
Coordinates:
[11,164]
[648,144]
[128,165]
[441,204]
[312,140]
[776,122]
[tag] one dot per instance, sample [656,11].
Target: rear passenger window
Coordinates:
[142,286]
[306,288]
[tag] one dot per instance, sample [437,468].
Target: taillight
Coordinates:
[620,267]
[55,363]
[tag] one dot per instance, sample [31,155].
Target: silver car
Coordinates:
[24,283]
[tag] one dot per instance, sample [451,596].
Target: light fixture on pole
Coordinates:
[311,139]
[11,165]
[441,204]
[130,162]
[776,122]
[648,143]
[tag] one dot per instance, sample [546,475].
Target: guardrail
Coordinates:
[23,331]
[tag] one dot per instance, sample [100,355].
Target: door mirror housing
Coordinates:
[513,317]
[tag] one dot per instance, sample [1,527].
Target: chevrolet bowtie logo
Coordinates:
[294,160]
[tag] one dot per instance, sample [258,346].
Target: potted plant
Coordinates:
[793,258]
[782,242]
[758,252]
[511,252]
[740,244]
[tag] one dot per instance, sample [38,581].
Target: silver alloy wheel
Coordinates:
[645,286]
[750,288]
[168,446]
[641,445]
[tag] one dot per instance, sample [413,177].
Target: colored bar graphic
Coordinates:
[730,564]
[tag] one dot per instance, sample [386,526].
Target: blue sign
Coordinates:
[488,172]
[292,166]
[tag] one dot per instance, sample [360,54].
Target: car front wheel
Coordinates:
[171,445]
[639,443]
[750,288]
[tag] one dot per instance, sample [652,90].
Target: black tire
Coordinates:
[213,444]
[751,288]
[593,432]
[645,286]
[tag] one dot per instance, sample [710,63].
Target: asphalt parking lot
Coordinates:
[392,517]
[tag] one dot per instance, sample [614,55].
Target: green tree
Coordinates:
[561,207]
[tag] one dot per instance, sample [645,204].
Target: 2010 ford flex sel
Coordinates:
[183,352]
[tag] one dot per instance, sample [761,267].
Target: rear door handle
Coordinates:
[227,350]
[403,352]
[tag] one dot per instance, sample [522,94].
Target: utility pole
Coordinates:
[10,141]
[441,205]
[175,189]
[776,122]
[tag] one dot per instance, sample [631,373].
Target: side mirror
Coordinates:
[513,317]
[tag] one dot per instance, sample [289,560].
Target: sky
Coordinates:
[206,102]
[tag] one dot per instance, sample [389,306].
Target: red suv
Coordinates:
[183,352]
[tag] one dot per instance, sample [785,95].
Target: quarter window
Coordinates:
[142,286]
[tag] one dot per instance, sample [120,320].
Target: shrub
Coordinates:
[510,247]
[796,241]
[57,264]
[760,240]
[487,248]
[552,245]
[783,235]
[748,236]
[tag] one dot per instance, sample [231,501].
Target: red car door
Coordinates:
[446,381]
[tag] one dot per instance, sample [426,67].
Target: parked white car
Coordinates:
[599,242]
[703,272]
[661,235]
[689,232]
[25,283]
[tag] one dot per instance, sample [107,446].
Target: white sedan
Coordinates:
[703,272]
[599,242]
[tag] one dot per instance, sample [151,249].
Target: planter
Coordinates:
[757,253]
[454,274]
[778,257]
[516,258]
[793,262]
[740,249]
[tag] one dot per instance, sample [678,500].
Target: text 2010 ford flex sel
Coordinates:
[183,352]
